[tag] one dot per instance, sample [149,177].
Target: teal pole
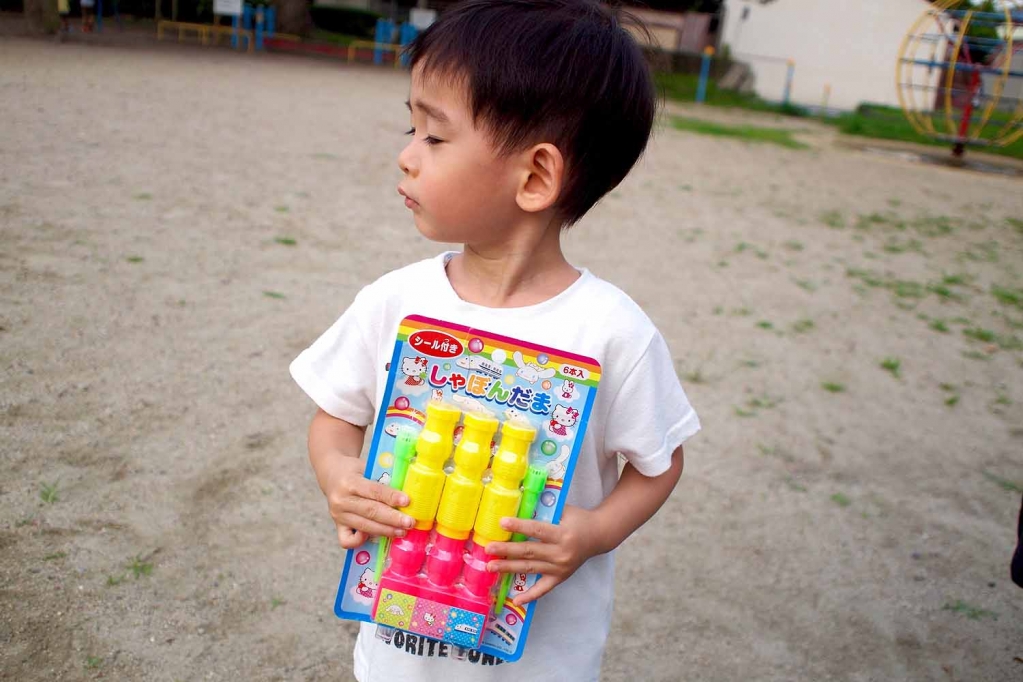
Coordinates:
[701,89]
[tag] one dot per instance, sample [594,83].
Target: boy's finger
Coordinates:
[520,550]
[369,527]
[349,538]
[375,490]
[545,584]
[381,513]
[545,532]
[520,566]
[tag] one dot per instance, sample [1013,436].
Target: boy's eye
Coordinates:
[430,139]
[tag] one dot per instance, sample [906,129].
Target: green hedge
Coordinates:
[356,22]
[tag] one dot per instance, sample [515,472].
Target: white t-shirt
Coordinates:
[640,411]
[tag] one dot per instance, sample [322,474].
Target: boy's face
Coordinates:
[456,184]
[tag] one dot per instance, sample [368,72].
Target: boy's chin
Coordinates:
[434,233]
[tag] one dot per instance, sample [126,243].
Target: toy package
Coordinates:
[473,427]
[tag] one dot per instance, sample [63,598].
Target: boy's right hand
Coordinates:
[361,507]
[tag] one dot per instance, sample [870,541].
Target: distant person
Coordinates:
[1017,558]
[524,114]
[88,15]
[64,10]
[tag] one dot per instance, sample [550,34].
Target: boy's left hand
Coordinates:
[561,549]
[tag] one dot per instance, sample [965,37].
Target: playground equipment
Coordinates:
[251,23]
[959,75]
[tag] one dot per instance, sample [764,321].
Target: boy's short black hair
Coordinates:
[560,71]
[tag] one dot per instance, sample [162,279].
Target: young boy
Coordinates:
[524,114]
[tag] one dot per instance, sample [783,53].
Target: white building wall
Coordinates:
[851,45]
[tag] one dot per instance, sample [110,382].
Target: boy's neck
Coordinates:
[519,272]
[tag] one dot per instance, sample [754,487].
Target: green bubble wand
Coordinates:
[532,486]
[404,448]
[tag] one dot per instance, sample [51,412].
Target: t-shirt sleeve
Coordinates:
[338,370]
[650,417]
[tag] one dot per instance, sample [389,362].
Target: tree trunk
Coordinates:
[293,17]
[41,16]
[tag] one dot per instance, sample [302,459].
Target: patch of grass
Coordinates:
[740,412]
[285,241]
[54,556]
[134,259]
[986,252]
[832,219]
[48,492]
[833,387]
[803,326]
[93,662]
[907,289]
[1016,224]
[868,277]
[1007,296]
[765,324]
[777,136]
[753,364]
[895,245]
[1003,483]
[282,209]
[976,355]
[695,377]
[140,567]
[114,580]
[143,196]
[795,485]
[793,245]
[895,203]
[274,294]
[935,226]
[866,222]
[889,123]
[892,365]
[683,86]
[978,334]
[741,312]
[970,611]
[275,602]
[764,402]
[1003,400]
[841,500]
[956,280]
[938,326]
[952,399]
[805,285]
[943,292]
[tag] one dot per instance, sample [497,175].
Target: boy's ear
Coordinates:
[543,170]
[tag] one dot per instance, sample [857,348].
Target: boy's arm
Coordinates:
[634,500]
[583,533]
[359,507]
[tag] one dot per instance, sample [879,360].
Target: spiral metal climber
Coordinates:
[959,75]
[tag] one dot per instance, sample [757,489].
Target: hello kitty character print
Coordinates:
[519,583]
[413,368]
[367,587]
[562,418]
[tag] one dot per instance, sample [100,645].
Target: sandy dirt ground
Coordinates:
[158,519]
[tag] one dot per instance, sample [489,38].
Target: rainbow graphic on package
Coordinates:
[474,427]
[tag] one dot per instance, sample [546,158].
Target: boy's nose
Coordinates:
[406,161]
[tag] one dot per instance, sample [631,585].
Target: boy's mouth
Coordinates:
[409,201]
